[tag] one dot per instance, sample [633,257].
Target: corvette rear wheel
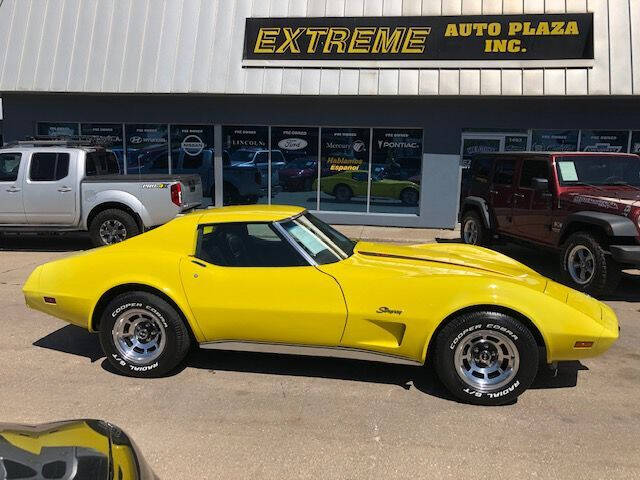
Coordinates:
[486,358]
[142,335]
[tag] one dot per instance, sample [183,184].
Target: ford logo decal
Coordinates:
[292,144]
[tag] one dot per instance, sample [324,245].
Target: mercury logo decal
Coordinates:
[358,146]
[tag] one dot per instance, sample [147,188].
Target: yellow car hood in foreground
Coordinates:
[446,255]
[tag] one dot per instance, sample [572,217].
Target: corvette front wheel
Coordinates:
[486,358]
[142,335]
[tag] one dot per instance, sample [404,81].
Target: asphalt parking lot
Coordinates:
[238,415]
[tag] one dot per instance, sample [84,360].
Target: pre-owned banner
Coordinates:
[467,37]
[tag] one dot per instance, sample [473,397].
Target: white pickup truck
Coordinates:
[60,188]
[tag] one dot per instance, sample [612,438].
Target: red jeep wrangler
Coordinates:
[584,205]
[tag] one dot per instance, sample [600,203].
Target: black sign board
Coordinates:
[554,140]
[467,37]
[616,141]
[105,134]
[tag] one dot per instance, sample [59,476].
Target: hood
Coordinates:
[70,449]
[481,260]
[608,198]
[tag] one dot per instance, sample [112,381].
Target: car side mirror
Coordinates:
[540,184]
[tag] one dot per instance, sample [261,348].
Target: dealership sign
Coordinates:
[440,38]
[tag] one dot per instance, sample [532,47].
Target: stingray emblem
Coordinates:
[389,310]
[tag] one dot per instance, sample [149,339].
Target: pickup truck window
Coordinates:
[598,170]
[9,165]
[505,169]
[101,163]
[533,169]
[48,166]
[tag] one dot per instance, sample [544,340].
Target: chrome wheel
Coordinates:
[139,336]
[581,264]
[112,231]
[470,232]
[486,360]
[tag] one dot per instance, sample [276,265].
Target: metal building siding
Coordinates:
[195,46]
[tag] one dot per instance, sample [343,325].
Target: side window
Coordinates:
[49,166]
[505,169]
[262,157]
[9,166]
[482,169]
[245,245]
[533,169]
[91,165]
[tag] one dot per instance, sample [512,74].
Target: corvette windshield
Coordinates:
[598,170]
[320,241]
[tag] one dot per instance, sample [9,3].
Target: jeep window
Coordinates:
[482,169]
[246,245]
[49,166]
[9,165]
[598,170]
[533,169]
[505,169]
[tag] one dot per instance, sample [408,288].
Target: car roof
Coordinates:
[547,153]
[248,213]
[57,148]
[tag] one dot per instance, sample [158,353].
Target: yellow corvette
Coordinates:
[72,449]
[275,278]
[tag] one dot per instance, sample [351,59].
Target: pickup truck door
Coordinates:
[246,283]
[51,188]
[533,209]
[12,167]
[501,193]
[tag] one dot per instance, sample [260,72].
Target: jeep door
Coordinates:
[501,193]
[532,208]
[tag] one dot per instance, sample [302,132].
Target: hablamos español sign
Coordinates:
[477,37]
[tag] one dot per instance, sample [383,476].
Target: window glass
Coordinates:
[554,140]
[57,129]
[515,143]
[345,244]
[599,170]
[102,162]
[192,152]
[49,166]
[343,152]
[635,142]
[296,150]
[533,169]
[616,141]
[245,179]
[396,170]
[504,172]
[246,245]
[481,168]
[146,143]
[109,136]
[9,166]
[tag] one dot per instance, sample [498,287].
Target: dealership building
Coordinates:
[362,110]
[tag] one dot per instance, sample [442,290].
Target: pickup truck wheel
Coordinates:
[586,266]
[142,335]
[112,226]
[472,229]
[486,358]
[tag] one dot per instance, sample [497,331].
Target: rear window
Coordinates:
[102,162]
[49,166]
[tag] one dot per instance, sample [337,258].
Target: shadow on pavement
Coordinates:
[36,242]
[73,340]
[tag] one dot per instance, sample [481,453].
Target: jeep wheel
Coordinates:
[342,193]
[486,358]
[586,266]
[142,335]
[472,229]
[112,226]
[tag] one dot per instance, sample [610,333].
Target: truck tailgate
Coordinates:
[191,191]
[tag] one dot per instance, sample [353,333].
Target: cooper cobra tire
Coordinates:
[472,229]
[486,358]
[142,335]
[112,226]
[582,253]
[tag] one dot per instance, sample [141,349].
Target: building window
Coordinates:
[57,129]
[245,163]
[616,141]
[192,152]
[108,135]
[554,140]
[396,168]
[147,148]
[344,151]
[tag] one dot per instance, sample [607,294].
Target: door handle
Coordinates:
[518,195]
[64,189]
[13,189]
[203,265]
